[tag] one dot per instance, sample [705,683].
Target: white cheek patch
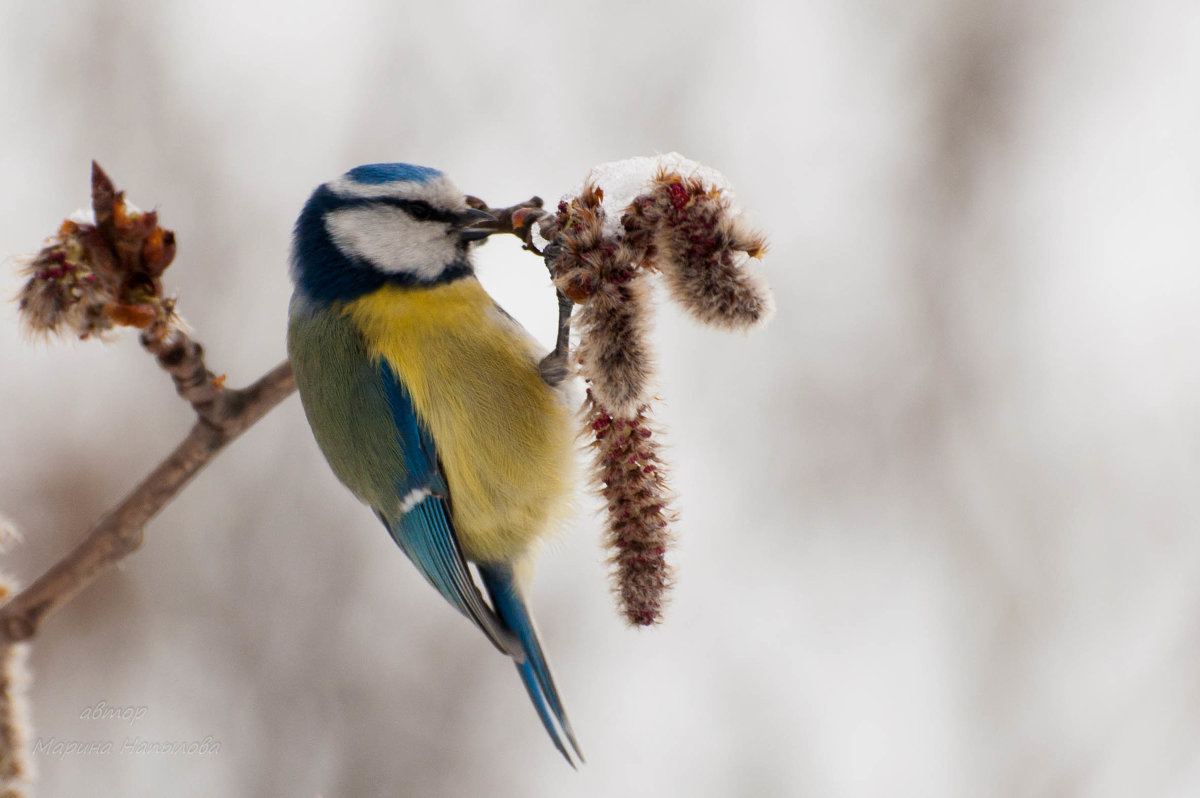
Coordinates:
[392,241]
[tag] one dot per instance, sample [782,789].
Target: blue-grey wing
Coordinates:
[365,424]
[422,525]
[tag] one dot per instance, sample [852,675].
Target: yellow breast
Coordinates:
[503,437]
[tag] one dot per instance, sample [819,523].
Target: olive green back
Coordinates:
[345,402]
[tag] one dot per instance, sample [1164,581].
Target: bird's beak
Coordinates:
[474,224]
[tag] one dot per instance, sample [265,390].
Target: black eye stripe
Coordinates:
[418,209]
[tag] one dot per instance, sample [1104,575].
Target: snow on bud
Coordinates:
[624,181]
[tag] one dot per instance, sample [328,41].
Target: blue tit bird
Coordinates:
[427,399]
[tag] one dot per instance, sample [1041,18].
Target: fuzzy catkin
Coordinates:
[700,245]
[63,289]
[605,275]
[616,351]
[602,274]
[690,232]
[630,473]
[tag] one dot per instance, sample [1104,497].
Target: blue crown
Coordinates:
[374,173]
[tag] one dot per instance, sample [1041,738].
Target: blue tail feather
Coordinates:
[534,671]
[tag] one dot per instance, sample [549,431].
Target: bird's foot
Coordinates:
[554,368]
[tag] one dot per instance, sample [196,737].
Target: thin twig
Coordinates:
[88,279]
[520,220]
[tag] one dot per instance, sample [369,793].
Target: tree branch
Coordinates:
[221,418]
[89,278]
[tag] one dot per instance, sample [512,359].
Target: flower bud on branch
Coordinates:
[95,275]
[107,272]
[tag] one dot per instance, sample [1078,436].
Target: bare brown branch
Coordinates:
[120,531]
[16,769]
[90,278]
[221,418]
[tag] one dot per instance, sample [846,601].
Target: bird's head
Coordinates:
[380,224]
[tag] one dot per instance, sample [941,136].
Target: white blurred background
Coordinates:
[939,522]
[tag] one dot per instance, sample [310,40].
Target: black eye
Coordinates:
[421,211]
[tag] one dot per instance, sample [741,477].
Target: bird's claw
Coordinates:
[554,368]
